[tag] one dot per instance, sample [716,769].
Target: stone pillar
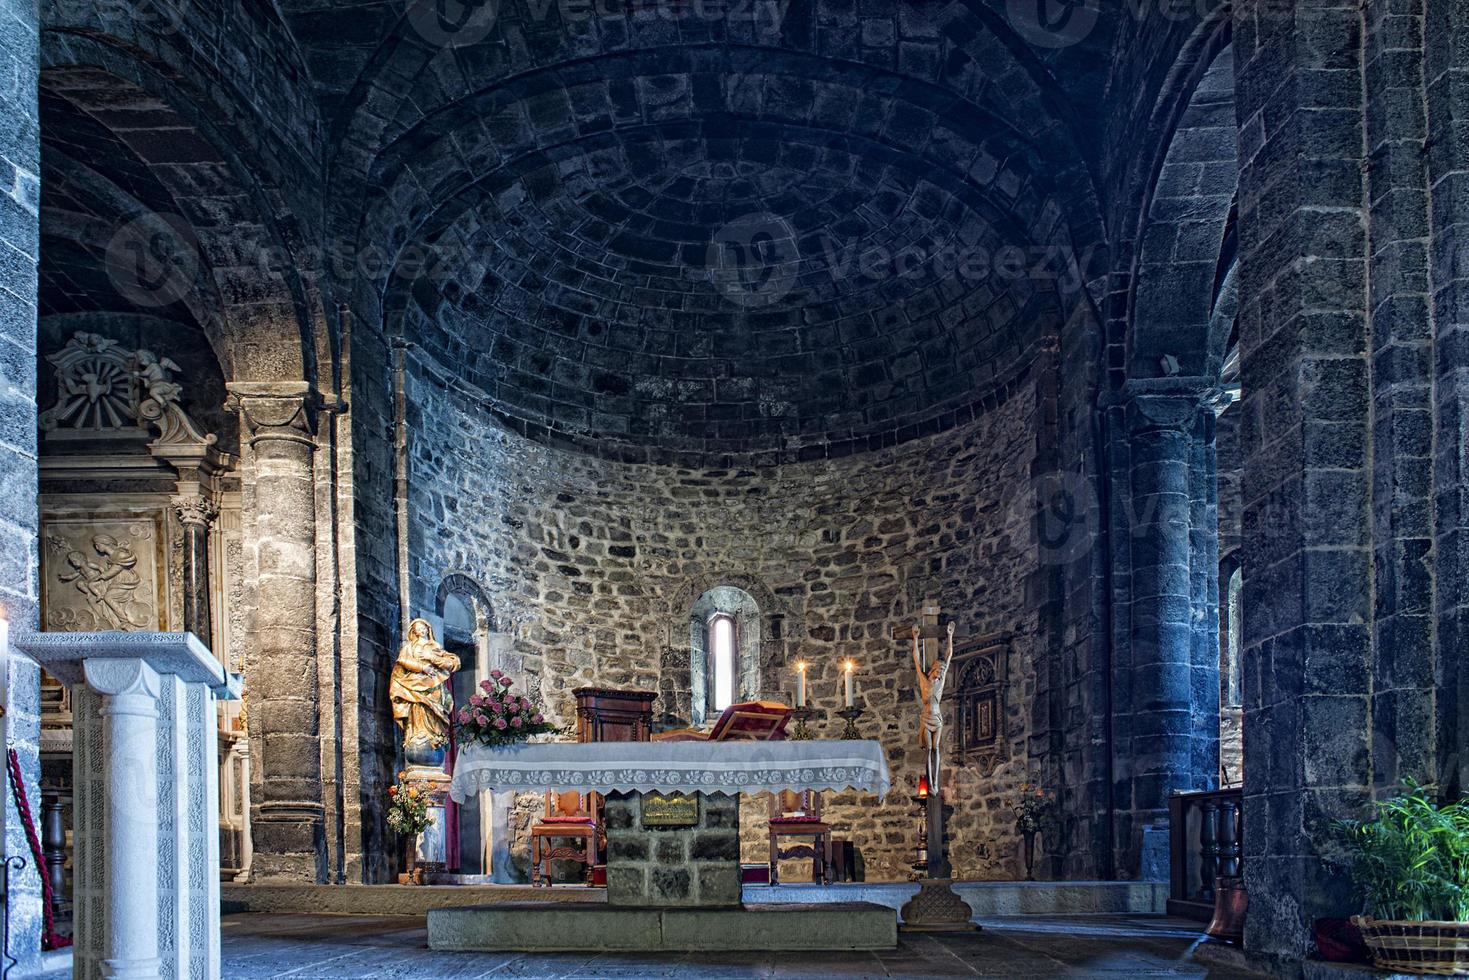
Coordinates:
[1445,65]
[196,515]
[129,709]
[1307,442]
[1170,551]
[146,812]
[20,191]
[278,423]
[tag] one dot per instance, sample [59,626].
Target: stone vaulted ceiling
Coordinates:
[643,228]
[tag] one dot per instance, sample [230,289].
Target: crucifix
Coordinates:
[930,701]
[931,665]
[936,907]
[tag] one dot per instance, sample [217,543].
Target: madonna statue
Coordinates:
[419,691]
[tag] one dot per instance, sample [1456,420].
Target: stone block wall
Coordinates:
[20,164]
[593,565]
[697,865]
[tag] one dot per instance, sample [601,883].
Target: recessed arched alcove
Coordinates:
[724,651]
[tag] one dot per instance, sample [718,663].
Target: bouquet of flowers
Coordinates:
[408,811]
[1033,807]
[495,716]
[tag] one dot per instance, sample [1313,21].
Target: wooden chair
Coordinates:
[607,715]
[569,816]
[798,815]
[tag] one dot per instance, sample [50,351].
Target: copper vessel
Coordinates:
[1231,902]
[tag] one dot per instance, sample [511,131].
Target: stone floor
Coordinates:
[328,947]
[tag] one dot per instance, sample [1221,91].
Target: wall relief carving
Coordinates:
[101,575]
[102,389]
[981,698]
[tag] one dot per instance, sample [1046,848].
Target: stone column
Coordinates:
[278,422]
[196,515]
[146,812]
[1445,64]
[20,188]
[1169,498]
[1307,441]
[129,695]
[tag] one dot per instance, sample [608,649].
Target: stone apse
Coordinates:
[1132,339]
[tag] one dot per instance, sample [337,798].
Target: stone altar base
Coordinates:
[696,865]
[543,927]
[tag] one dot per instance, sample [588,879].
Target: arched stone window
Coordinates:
[724,651]
[723,660]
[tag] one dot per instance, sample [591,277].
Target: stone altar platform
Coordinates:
[391,899]
[986,898]
[551,927]
[673,849]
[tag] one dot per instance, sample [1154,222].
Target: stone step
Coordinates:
[558,927]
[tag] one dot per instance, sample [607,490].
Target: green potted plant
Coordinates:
[1411,862]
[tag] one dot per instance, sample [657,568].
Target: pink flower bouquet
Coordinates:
[494,716]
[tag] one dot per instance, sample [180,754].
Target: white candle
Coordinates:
[801,684]
[850,668]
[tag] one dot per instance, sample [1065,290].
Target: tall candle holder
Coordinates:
[851,714]
[802,715]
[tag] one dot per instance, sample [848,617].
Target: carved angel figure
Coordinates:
[108,582]
[420,694]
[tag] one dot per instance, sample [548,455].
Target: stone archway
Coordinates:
[180,220]
[1164,535]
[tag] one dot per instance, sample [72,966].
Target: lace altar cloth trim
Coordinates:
[708,767]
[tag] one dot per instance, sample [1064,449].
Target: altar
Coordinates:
[673,848]
[674,767]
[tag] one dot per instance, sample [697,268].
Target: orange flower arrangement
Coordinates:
[407,808]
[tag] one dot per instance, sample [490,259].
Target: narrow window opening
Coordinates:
[722,651]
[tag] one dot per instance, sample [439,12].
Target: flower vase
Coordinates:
[412,873]
[1027,838]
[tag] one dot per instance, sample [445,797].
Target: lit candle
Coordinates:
[851,667]
[801,684]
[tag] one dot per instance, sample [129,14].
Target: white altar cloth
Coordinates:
[666,767]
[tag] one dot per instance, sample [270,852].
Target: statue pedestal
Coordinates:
[431,849]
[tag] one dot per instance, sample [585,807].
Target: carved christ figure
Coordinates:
[930,698]
[419,688]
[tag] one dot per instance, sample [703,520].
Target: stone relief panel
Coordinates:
[101,387]
[103,574]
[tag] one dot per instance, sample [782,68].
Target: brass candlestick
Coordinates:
[802,715]
[851,714]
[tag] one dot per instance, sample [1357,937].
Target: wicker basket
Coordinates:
[1433,948]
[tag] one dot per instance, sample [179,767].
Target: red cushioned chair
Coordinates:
[798,815]
[569,816]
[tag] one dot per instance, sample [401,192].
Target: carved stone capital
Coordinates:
[1173,404]
[283,410]
[196,511]
[131,686]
